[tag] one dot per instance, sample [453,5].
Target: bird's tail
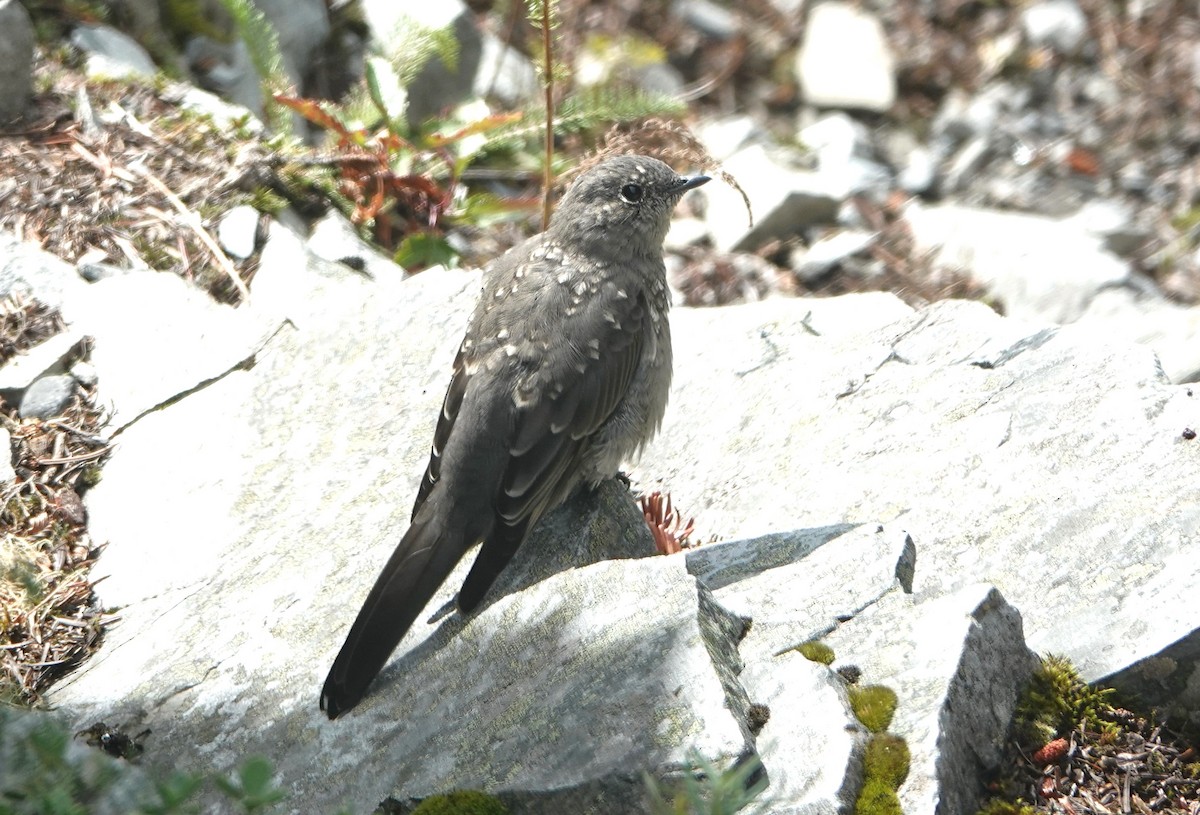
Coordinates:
[422,561]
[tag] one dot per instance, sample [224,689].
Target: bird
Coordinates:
[563,373]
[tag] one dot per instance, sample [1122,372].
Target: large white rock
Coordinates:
[1037,267]
[867,466]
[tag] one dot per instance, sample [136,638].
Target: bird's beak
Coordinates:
[692,182]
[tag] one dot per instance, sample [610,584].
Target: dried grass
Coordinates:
[49,617]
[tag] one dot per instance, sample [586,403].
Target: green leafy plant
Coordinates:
[42,778]
[254,788]
[45,774]
[708,790]
[262,44]
[404,187]
[403,180]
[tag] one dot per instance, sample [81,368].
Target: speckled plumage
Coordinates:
[563,373]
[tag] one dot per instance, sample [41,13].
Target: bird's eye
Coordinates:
[631,193]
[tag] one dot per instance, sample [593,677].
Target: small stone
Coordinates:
[844,60]
[1058,24]
[1115,223]
[966,163]
[724,137]
[85,374]
[824,255]
[112,54]
[504,73]
[708,18]
[335,239]
[237,231]
[46,358]
[835,138]
[47,397]
[224,114]
[919,172]
[7,473]
[91,272]
[786,201]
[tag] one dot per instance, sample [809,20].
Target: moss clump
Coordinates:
[461,802]
[999,807]
[816,651]
[1056,701]
[877,798]
[887,759]
[885,767]
[874,706]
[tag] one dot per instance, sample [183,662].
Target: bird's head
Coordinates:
[623,202]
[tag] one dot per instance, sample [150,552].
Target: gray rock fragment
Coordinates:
[785,201]
[16,60]
[112,54]
[47,357]
[47,397]
[335,239]
[237,231]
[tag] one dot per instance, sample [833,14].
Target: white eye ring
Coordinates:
[631,193]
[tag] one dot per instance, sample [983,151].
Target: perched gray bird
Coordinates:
[562,374]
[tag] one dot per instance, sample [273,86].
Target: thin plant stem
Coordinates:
[548,87]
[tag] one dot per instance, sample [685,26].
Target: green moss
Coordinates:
[268,201]
[184,18]
[90,476]
[1057,700]
[999,807]
[816,651]
[874,706]
[887,759]
[461,802]
[1187,221]
[877,798]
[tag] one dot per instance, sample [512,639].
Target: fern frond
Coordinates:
[537,13]
[262,44]
[416,44]
[592,107]
[587,110]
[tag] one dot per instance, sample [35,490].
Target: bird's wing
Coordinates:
[561,398]
[566,396]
